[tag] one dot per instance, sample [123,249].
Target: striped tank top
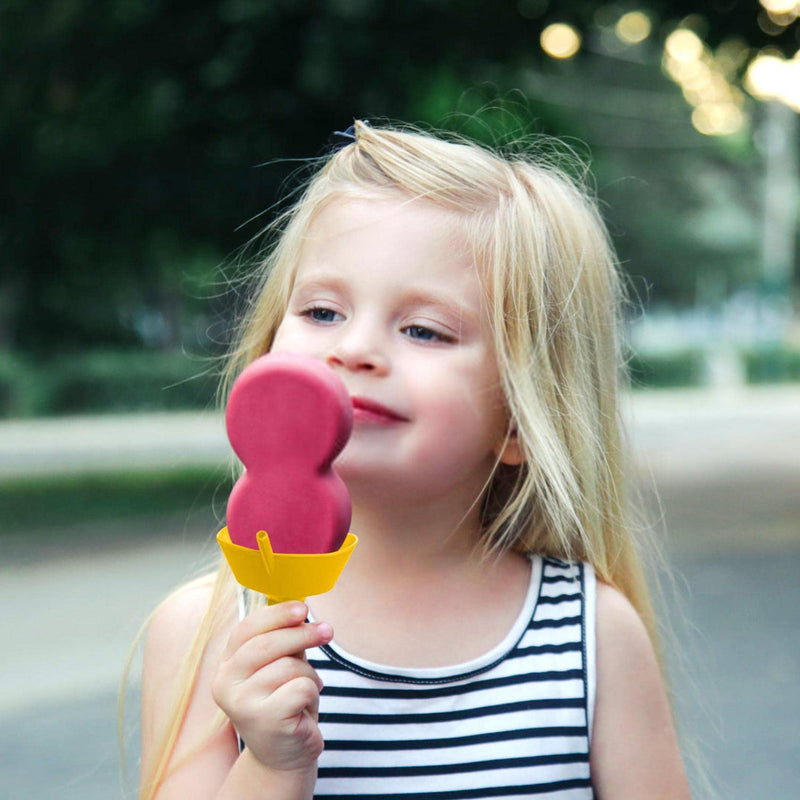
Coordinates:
[514,723]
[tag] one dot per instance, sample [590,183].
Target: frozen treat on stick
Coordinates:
[288,417]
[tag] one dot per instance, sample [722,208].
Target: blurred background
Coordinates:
[145,144]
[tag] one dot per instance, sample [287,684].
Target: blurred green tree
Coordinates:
[130,129]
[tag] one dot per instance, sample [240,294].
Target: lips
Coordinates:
[366,410]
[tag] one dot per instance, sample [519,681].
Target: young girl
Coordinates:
[493,631]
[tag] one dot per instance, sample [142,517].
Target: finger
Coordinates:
[262,650]
[269,679]
[295,697]
[263,620]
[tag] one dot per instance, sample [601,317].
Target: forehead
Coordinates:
[412,239]
[346,217]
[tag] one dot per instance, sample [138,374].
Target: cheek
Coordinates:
[463,407]
[292,337]
[280,336]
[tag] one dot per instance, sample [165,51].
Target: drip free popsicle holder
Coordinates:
[284,576]
[288,417]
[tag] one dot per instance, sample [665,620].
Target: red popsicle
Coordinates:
[288,417]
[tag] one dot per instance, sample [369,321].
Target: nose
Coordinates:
[357,351]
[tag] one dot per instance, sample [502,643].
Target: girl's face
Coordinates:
[386,293]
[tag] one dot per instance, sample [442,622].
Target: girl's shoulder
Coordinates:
[176,620]
[616,616]
[183,645]
[623,643]
[171,633]
[631,697]
[626,658]
[185,623]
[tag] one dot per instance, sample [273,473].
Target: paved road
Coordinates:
[740,702]
[727,470]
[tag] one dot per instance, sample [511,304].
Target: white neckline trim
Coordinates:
[590,634]
[497,653]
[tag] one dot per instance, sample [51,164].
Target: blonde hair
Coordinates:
[554,294]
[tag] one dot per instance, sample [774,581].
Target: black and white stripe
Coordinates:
[515,723]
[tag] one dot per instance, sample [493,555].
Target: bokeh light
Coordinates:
[717,119]
[718,105]
[777,15]
[633,27]
[560,40]
[772,77]
[781,6]
[684,46]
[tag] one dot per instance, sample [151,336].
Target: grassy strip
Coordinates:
[62,501]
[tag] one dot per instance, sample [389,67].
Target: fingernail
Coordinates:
[298,611]
[325,631]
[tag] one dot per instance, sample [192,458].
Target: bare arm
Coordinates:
[168,641]
[251,670]
[634,750]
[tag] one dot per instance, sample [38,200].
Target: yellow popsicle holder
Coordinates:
[284,576]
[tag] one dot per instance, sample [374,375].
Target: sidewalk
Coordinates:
[32,448]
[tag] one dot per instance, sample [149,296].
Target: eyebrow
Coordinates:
[426,297]
[318,280]
[318,277]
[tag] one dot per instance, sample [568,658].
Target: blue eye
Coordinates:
[423,334]
[420,332]
[324,315]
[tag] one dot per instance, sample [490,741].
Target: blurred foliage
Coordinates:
[676,370]
[41,503]
[137,137]
[106,380]
[773,365]
[115,381]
